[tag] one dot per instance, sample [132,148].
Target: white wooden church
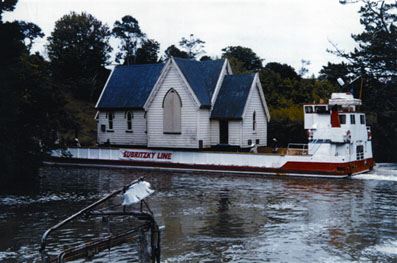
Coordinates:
[182,104]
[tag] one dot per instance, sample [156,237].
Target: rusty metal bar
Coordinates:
[155,229]
[96,246]
[79,213]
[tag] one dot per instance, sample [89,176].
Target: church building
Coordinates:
[182,104]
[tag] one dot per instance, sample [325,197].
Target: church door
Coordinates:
[223,132]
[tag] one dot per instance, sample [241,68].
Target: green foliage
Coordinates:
[237,66]
[377,50]
[131,36]
[32,108]
[30,31]
[205,58]
[192,46]
[173,51]
[285,71]
[332,72]
[7,5]
[79,49]
[303,70]
[374,60]
[250,61]
[285,98]
[148,53]
[41,110]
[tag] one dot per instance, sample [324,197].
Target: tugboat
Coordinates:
[339,145]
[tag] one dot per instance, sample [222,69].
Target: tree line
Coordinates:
[34,90]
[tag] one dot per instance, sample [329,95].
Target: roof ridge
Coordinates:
[202,76]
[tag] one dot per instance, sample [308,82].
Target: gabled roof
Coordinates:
[232,97]
[129,86]
[202,77]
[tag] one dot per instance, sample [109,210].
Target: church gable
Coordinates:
[172,112]
[232,97]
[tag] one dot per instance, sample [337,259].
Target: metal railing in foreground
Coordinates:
[133,193]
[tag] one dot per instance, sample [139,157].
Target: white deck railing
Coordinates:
[297,149]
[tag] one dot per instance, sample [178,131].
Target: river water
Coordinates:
[219,217]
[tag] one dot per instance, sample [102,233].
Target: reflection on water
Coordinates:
[219,218]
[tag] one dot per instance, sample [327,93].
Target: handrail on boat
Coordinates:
[297,149]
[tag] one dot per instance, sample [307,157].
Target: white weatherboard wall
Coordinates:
[214,132]
[254,103]
[235,133]
[204,127]
[119,134]
[190,114]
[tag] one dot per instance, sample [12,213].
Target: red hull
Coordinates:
[321,169]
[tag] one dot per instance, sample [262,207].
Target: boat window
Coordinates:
[342,119]
[360,152]
[308,109]
[352,119]
[320,109]
[172,105]
[362,119]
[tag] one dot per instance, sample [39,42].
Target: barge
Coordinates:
[339,145]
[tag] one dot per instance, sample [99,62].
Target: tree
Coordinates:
[148,53]
[332,72]
[7,6]
[374,60]
[285,97]
[131,36]
[205,58]
[173,51]
[285,71]
[30,31]
[192,46]
[79,50]
[303,70]
[250,60]
[31,106]
[377,45]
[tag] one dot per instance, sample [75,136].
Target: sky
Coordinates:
[283,31]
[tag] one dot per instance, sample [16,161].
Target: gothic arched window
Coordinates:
[172,105]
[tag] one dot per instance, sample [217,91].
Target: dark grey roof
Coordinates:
[129,86]
[232,97]
[202,77]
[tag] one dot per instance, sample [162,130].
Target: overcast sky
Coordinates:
[284,31]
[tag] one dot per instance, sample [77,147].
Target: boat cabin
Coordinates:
[337,128]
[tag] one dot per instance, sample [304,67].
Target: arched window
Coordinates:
[172,105]
[110,119]
[129,117]
[254,121]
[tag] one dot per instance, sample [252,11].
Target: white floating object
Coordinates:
[136,193]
